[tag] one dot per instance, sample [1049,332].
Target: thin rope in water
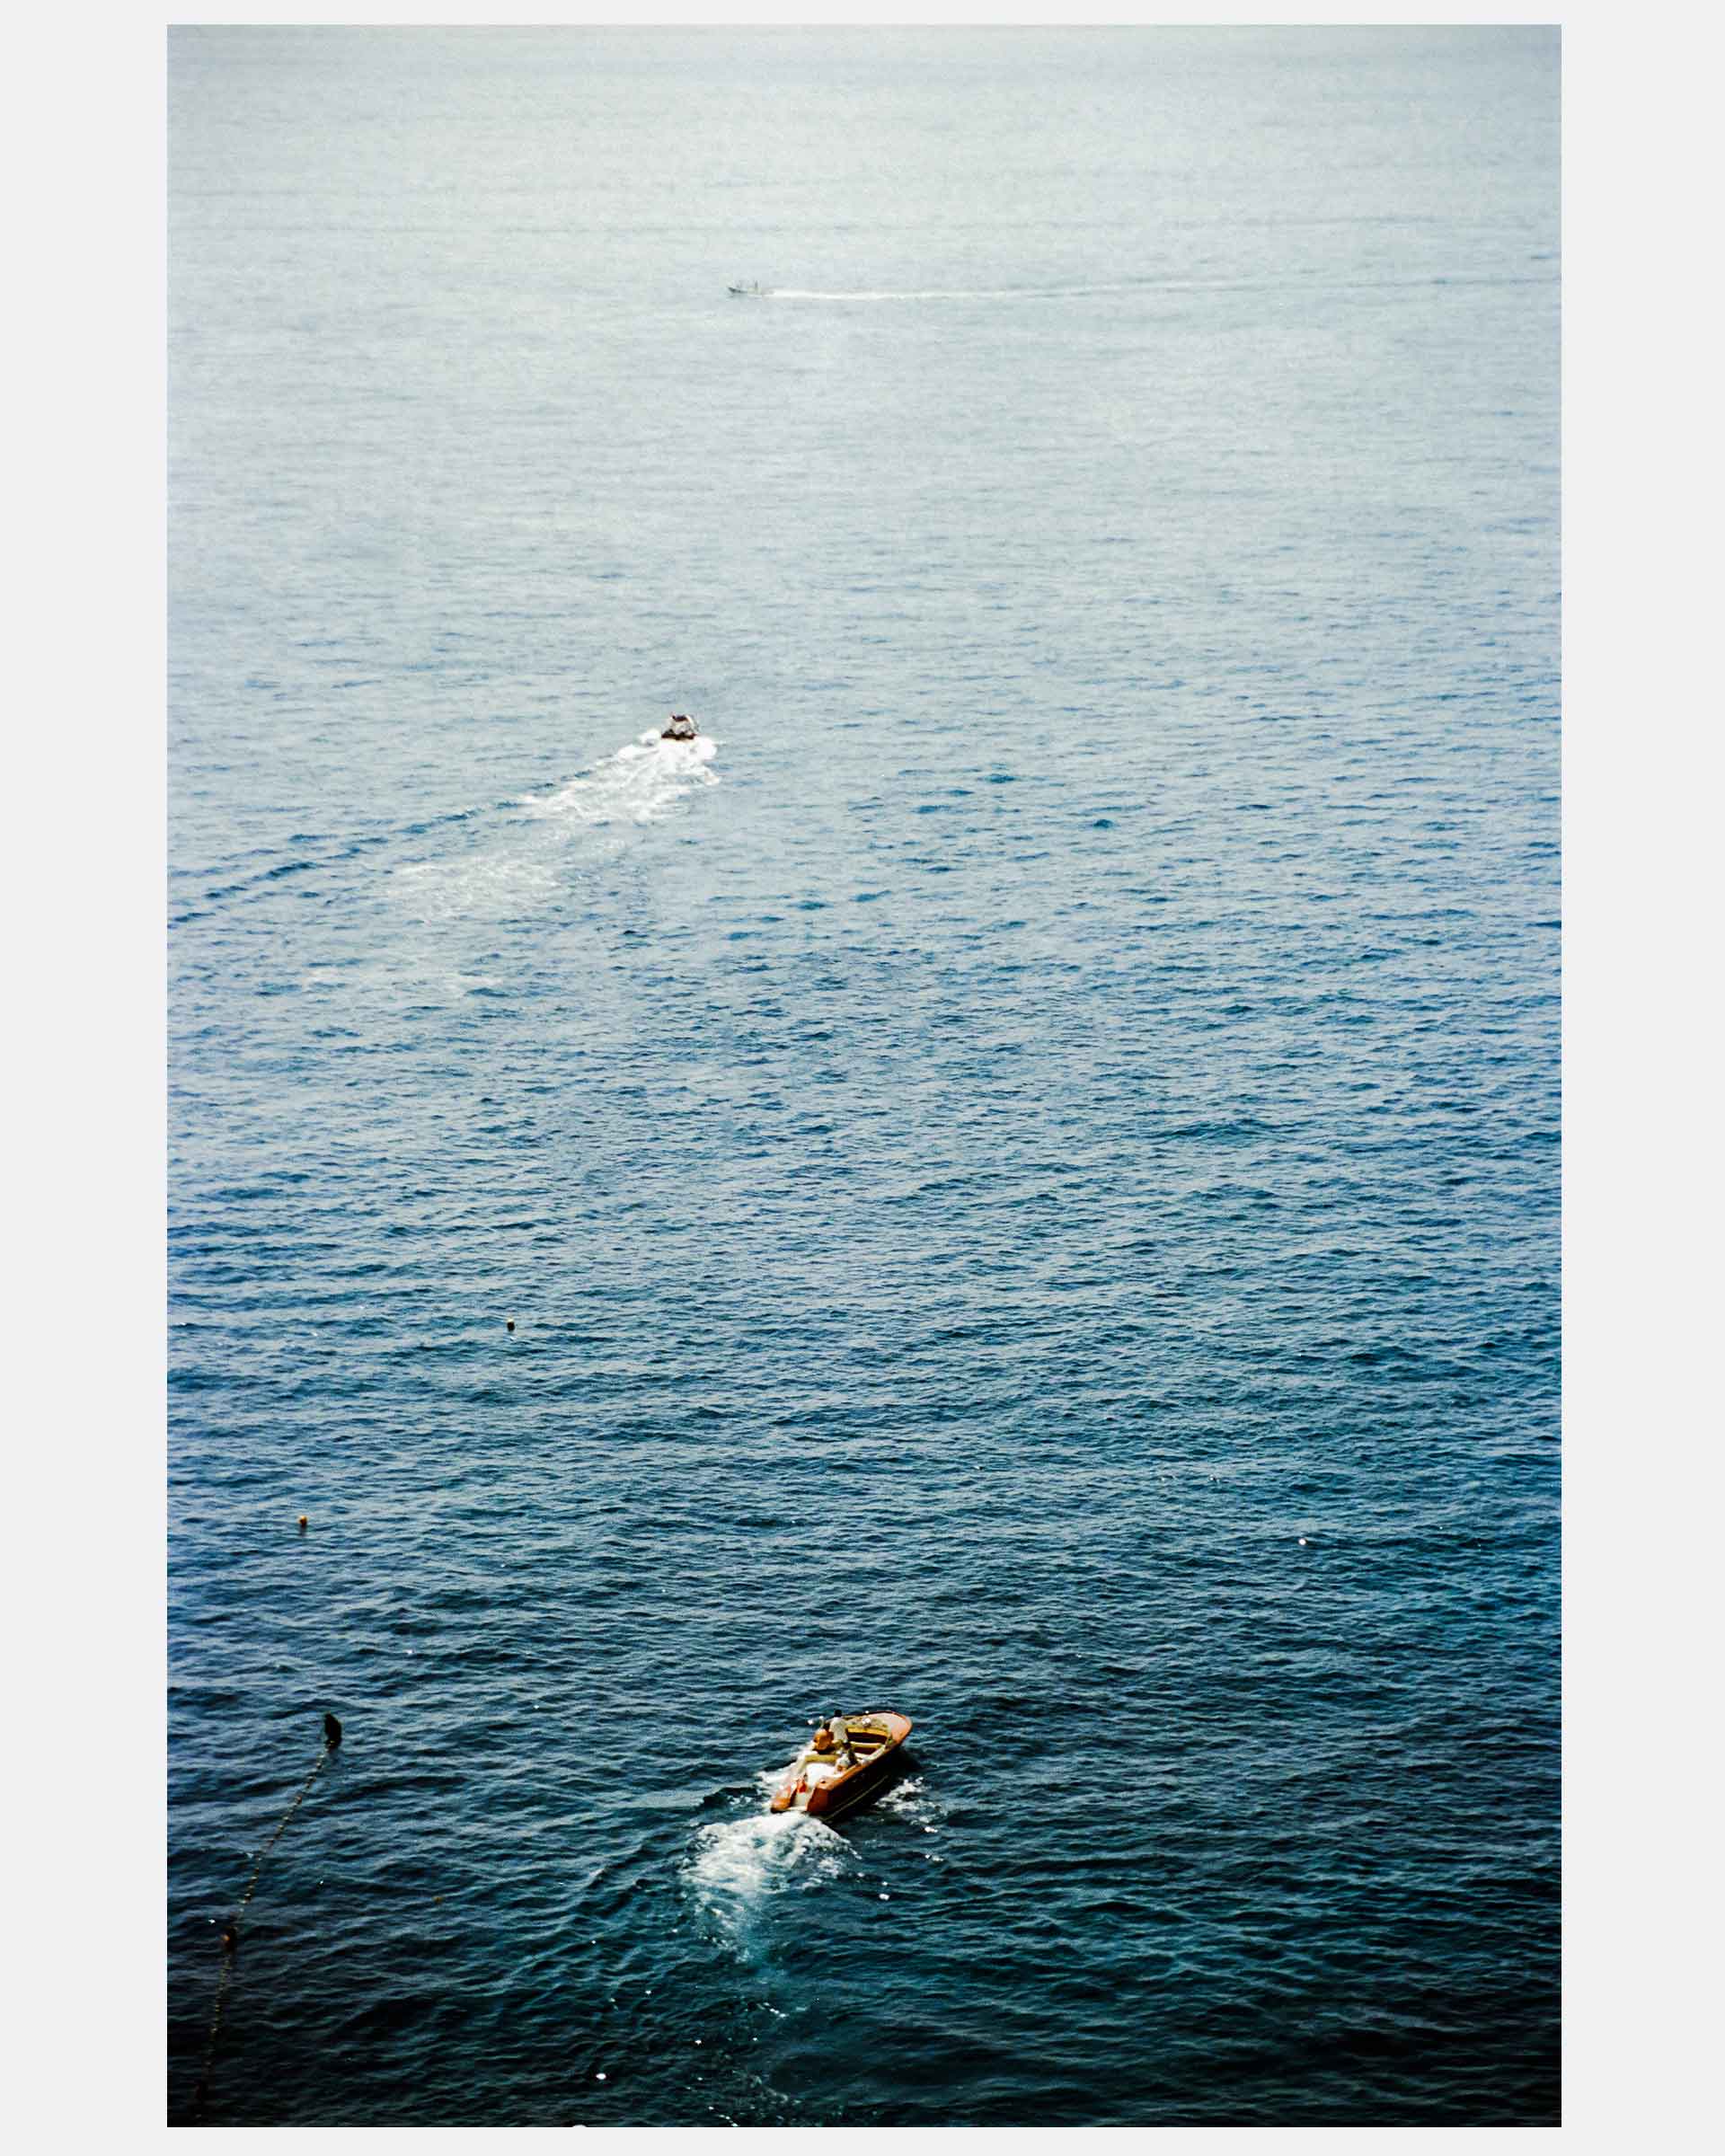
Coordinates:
[231,1935]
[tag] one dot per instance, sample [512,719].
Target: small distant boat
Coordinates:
[849,1762]
[754,291]
[681,728]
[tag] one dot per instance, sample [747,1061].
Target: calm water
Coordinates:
[1025,1170]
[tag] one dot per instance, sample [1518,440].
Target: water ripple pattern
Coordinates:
[1023,1165]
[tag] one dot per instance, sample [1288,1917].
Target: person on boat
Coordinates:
[823,1743]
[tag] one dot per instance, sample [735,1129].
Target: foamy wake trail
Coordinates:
[738,1864]
[912,1800]
[1009,292]
[790,292]
[922,1814]
[639,784]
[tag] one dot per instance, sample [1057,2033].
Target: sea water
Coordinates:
[1023,1166]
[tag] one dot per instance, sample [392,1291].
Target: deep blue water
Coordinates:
[1026,1177]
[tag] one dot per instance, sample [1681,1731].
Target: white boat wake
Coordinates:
[501,873]
[1010,292]
[1145,287]
[737,1864]
[641,784]
[789,292]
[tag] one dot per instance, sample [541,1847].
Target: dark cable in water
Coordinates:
[230,1934]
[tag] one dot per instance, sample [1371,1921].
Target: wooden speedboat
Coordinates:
[681,728]
[851,1760]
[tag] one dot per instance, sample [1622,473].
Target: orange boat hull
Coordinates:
[827,1797]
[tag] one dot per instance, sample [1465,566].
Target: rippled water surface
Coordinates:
[1023,1166]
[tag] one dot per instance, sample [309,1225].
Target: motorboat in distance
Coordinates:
[849,1762]
[681,728]
[754,291]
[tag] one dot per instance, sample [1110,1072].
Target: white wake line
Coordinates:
[791,293]
[1016,292]
[1150,286]
[739,1862]
[639,784]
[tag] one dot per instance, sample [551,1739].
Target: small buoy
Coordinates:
[509,1324]
[598,2077]
[1302,1542]
[304,1523]
[331,1731]
[230,1939]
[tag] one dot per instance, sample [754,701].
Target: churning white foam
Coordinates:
[737,1864]
[639,784]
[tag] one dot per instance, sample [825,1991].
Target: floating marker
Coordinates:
[304,1523]
[331,1731]
[509,1325]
